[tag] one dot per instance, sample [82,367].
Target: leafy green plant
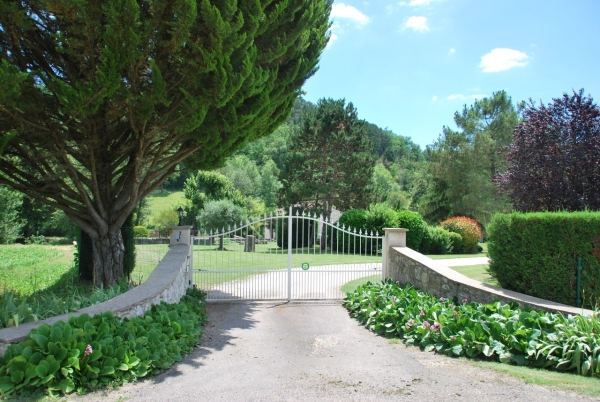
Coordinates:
[90,352]
[415,225]
[536,253]
[140,231]
[17,309]
[353,219]
[437,240]
[497,331]
[468,229]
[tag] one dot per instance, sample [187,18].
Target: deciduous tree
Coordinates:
[554,157]
[101,100]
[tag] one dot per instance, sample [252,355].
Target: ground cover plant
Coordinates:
[90,352]
[497,332]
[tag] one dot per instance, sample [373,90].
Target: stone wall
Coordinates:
[168,283]
[408,266]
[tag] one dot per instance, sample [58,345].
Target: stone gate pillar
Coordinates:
[394,237]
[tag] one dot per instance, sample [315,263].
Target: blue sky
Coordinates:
[409,65]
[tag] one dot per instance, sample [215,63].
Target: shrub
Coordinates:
[304,231]
[468,229]
[379,216]
[353,219]
[90,352]
[415,225]
[536,253]
[501,332]
[456,242]
[437,241]
[140,231]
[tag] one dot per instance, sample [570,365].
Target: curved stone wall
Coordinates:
[168,283]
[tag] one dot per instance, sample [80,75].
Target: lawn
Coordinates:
[218,266]
[25,269]
[477,272]
[161,200]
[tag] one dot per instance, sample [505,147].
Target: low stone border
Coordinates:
[406,265]
[168,283]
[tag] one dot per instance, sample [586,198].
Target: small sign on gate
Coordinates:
[305,266]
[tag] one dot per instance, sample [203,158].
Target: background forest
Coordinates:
[324,157]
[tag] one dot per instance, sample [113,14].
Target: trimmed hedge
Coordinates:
[536,254]
[437,241]
[350,220]
[413,221]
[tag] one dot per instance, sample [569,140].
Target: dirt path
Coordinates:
[310,351]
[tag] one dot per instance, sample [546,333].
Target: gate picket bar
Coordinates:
[293,256]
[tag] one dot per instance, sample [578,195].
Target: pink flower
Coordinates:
[426,325]
[410,323]
[442,299]
[464,301]
[435,327]
[422,314]
[88,350]
[453,339]
[450,305]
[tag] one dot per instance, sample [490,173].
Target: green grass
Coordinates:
[351,286]
[477,272]
[564,381]
[26,269]
[147,257]
[161,200]
[238,264]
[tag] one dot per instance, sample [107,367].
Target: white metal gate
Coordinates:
[292,256]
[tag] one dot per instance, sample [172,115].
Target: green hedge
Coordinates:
[91,352]
[350,220]
[413,221]
[437,241]
[536,254]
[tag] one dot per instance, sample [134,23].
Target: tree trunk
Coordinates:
[108,250]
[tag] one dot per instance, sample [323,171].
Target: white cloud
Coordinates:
[415,3]
[332,38]
[435,98]
[417,23]
[341,10]
[452,50]
[465,97]
[501,59]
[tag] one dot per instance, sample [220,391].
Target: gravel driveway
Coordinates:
[316,352]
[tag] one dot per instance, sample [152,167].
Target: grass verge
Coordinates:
[565,381]
[478,272]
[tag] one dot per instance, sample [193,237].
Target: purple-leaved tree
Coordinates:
[554,157]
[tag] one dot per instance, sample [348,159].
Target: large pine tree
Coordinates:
[101,99]
[330,163]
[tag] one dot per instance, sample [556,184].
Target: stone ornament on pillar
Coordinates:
[394,237]
[180,235]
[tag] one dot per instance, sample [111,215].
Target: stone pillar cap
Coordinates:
[395,230]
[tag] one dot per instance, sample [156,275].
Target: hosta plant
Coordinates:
[90,352]
[495,331]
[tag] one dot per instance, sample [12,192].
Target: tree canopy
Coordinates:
[464,161]
[330,161]
[554,157]
[101,100]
